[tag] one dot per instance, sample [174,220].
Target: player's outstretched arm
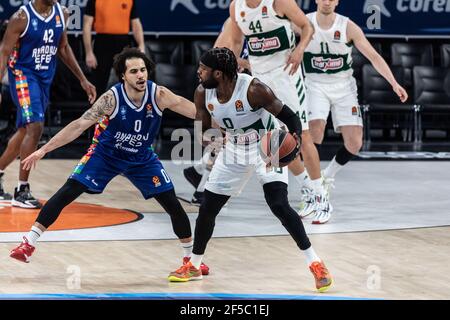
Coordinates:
[356,35]
[103,107]
[166,99]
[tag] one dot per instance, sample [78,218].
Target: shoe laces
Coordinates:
[319,270]
[184,268]
[328,183]
[25,244]
[27,194]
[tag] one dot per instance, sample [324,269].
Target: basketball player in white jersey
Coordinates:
[244,108]
[331,85]
[275,60]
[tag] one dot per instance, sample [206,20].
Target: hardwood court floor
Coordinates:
[391,264]
[406,264]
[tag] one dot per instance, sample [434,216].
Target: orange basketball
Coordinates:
[278,147]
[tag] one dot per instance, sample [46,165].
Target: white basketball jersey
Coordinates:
[270,37]
[242,124]
[328,56]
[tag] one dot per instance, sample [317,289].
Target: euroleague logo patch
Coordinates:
[356,111]
[210,107]
[156,181]
[337,35]
[243,16]
[239,106]
[264,12]
[149,108]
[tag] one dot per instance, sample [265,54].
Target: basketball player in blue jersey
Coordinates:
[128,118]
[35,35]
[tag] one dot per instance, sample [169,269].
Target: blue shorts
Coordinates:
[95,170]
[30,96]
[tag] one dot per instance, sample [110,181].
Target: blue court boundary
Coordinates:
[170,296]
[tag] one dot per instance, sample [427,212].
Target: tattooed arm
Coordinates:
[104,106]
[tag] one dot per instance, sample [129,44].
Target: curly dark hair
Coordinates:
[222,59]
[127,53]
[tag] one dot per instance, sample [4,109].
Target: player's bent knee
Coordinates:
[353,146]
[275,194]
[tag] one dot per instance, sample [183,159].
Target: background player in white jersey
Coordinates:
[331,86]
[275,60]
[245,108]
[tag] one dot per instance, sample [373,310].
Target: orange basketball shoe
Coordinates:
[203,267]
[187,272]
[321,275]
[23,252]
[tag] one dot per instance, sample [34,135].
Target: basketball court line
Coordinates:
[171,296]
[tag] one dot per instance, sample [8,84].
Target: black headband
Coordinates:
[210,60]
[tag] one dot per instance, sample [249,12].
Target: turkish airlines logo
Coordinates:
[188,4]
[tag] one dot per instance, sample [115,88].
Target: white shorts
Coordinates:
[340,97]
[289,89]
[235,166]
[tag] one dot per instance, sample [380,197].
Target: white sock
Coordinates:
[33,235]
[332,169]
[317,187]
[311,256]
[302,177]
[196,260]
[187,248]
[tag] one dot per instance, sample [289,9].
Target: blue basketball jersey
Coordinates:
[35,52]
[128,133]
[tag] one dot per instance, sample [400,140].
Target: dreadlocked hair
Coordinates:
[222,59]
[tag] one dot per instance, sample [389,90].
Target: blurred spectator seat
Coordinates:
[445,55]
[382,108]
[165,51]
[409,55]
[432,97]
[182,80]
[198,47]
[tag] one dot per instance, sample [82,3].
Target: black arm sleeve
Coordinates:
[90,8]
[290,119]
[133,13]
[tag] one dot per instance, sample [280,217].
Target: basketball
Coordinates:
[278,147]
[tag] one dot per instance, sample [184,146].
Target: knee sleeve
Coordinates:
[276,195]
[206,220]
[71,190]
[180,221]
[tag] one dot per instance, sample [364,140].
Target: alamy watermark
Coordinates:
[73,281]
